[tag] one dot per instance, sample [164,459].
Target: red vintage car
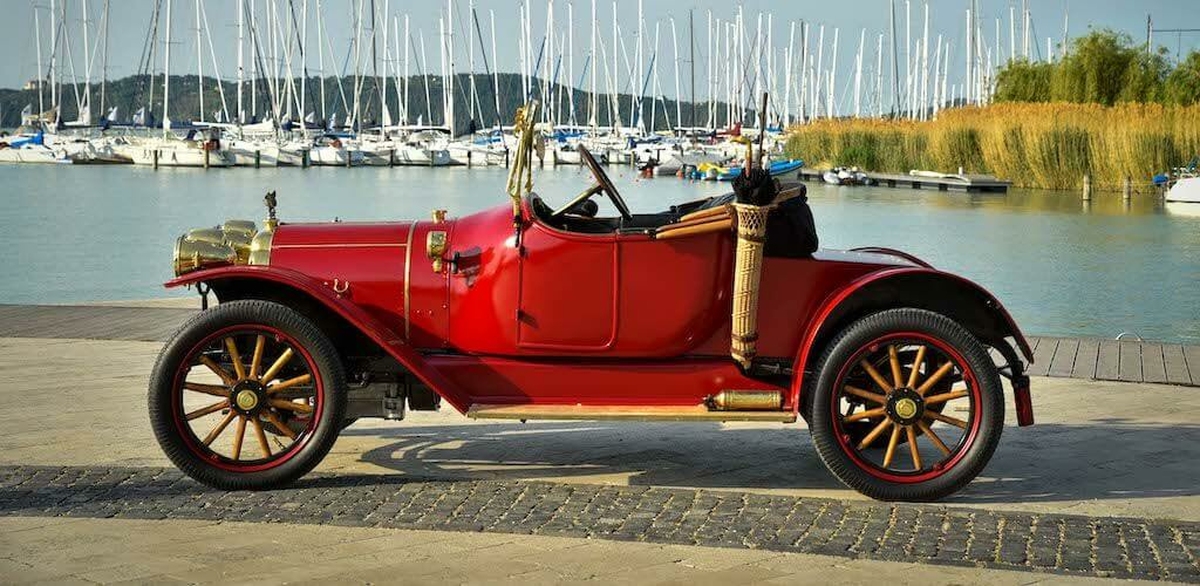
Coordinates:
[528,312]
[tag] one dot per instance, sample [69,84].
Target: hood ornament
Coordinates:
[270,201]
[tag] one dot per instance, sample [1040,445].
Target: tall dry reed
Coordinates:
[1050,146]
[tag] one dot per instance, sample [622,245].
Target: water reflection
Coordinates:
[1063,266]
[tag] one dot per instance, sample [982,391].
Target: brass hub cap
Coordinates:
[248,397]
[905,406]
[247,400]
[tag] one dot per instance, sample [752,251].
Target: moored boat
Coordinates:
[1185,190]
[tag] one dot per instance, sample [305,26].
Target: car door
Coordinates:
[568,291]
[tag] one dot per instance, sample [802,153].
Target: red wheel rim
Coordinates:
[899,400]
[247,398]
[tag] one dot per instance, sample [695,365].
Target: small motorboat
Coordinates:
[1185,190]
[846,176]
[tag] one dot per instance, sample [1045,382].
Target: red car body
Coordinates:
[604,321]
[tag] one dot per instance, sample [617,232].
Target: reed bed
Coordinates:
[1048,146]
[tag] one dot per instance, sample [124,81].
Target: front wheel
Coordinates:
[247,395]
[907,406]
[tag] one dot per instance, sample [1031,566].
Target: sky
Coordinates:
[129,23]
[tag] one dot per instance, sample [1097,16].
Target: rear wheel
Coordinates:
[907,406]
[247,395]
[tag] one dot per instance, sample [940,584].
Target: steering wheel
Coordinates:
[603,183]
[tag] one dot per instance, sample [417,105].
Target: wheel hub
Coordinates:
[905,406]
[248,397]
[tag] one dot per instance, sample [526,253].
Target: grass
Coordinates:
[1045,145]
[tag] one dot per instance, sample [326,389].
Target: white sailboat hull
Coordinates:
[1186,190]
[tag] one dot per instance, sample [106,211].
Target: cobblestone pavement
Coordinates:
[1106,484]
[77,550]
[1068,544]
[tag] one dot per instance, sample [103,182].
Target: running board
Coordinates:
[622,412]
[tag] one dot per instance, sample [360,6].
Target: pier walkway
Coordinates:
[1104,486]
[1081,358]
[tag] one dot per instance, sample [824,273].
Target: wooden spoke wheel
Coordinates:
[249,394]
[908,406]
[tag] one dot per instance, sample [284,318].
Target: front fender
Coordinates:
[354,315]
[922,287]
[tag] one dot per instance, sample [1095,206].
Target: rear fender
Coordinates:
[921,287]
[298,283]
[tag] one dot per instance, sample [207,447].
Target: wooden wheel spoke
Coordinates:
[934,378]
[934,415]
[256,359]
[214,390]
[875,433]
[894,360]
[869,413]
[916,368]
[291,406]
[284,429]
[216,368]
[239,434]
[291,382]
[913,449]
[942,398]
[891,448]
[238,368]
[933,437]
[875,376]
[262,437]
[212,435]
[278,365]
[201,412]
[868,395]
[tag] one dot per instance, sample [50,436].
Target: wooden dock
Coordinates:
[965,183]
[1082,358]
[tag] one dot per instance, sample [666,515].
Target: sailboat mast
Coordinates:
[471,65]
[53,55]
[495,72]
[241,59]
[570,85]
[858,61]
[692,65]
[166,121]
[85,114]
[450,63]
[675,55]
[593,109]
[199,61]
[37,36]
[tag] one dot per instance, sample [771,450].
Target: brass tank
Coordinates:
[236,242]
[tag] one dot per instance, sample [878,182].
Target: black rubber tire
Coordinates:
[247,312]
[990,410]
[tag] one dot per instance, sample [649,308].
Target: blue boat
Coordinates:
[776,169]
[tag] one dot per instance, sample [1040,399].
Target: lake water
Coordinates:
[75,234]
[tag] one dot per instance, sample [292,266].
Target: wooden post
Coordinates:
[392,157]
[506,157]
[1127,189]
[468,158]
[257,158]
[348,157]
[1087,187]
[304,158]
[154,156]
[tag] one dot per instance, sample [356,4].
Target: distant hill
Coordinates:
[133,92]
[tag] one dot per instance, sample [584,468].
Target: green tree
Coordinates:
[1182,86]
[1024,81]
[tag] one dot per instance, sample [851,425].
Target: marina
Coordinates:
[99,233]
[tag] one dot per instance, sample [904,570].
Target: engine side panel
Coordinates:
[364,263]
